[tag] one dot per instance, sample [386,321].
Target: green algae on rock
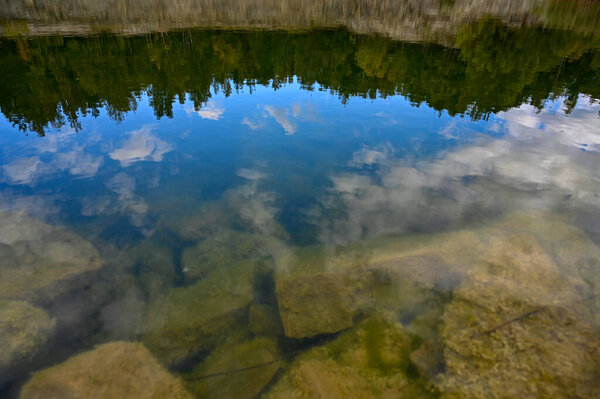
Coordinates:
[195,318]
[220,250]
[368,361]
[40,262]
[518,328]
[113,370]
[23,330]
[247,367]
[319,289]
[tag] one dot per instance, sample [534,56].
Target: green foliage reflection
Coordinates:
[55,80]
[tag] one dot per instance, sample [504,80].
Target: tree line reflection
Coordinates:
[53,81]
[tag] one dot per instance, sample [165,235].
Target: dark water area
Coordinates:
[299,199]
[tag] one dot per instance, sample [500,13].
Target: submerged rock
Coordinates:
[192,319]
[428,357]
[24,329]
[200,223]
[319,289]
[518,328]
[246,368]
[220,250]
[368,361]
[574,253]
[154,260]
[113,370]
[40,262]
[437,261]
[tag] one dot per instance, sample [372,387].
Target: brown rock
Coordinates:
[113,370]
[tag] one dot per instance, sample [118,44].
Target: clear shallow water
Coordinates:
[320,213]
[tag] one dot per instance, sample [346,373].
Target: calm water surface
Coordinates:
[314,213]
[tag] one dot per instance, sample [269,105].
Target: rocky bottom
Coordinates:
[207,307]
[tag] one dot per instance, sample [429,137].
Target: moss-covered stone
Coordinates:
[40,262]
[517,327]
[23,330]
[573,252]
[220,250]
[427,355]
[192,319]
[368,361]
[248,366]
[320,289]
[113,370]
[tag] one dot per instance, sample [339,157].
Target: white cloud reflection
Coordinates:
[537,164]
[211,110]
[253,124]
[124,185]
[29,170]
[282,116]
[287,118]
[141,146]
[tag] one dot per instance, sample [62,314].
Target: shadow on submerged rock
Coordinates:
[369,360]
[238,369]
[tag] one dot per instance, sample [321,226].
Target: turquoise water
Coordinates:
[301,214]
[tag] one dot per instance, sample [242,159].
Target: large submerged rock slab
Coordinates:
[192,319]
[517,327]
[40,262]
[113,370]
[221,250]
[438,261]
[574,253]
[320,289]
[236,370]
[24,329]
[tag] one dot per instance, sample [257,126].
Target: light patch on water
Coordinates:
[253,124]
[211,110]
[527,168]
[142,145]
[282,117]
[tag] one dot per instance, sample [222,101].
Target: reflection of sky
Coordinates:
[542,161]
[388,165]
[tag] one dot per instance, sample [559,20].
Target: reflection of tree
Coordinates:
[55,80]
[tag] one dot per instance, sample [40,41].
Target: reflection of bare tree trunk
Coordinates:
[434,20]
